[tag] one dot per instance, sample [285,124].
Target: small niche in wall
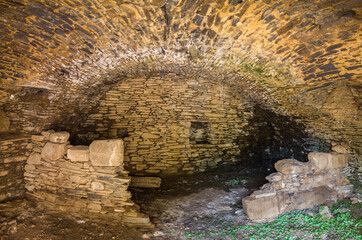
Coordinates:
[199,132]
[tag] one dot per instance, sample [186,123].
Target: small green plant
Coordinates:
[236,182]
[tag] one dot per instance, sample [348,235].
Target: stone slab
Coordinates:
[78,153]
[106,153]
[328,160]
[53,151]
[261,208]
[291,166]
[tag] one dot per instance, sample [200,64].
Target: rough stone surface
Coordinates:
[291,166]
[4,122]
[106,153]
[298,185]
[328,160]
[78,154]
[300,58]
[13,156]
[163,136]
[34,158]
[269,209]
[53,151]
[78,187]
[59,137]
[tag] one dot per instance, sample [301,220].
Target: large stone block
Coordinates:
[53,151]
[106,153]
[262,207]
[328,160]
[34,158]
[292,166]
[78,154]
[311,198]
[59,137]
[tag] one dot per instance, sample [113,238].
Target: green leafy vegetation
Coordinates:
[235,182]
[300,224]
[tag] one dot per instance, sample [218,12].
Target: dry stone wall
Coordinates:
[13,154]
[81,179]
[300,185]
[171,123]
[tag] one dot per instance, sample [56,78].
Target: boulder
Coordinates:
[78,153]
[328,160]
[106,153]
[53,151]
[292,166]
[34,158]
[59,137]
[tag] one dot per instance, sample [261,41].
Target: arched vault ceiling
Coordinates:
[294,49]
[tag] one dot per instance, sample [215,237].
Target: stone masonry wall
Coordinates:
[13,155]
[170,123]
[81,179]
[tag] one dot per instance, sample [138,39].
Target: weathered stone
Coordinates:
[4,122]
[94,207]
[34,158]
[53,151]
[46,134]
[311,198]
[261,208]
[291,166]
[37,138]
[328,160]
[78,154]
[4,173]
[59,137]
[106,152]
[339,149]
[97,186]
[145,182]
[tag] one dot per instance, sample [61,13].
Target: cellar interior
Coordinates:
[199,100]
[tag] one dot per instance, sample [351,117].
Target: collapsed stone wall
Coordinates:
[81,179]
[13,154]
[172,123]
[300,185]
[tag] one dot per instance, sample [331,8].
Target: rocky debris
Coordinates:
[300,185]
[145,182]
[83,181]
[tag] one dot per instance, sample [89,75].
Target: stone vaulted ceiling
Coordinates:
[58,56]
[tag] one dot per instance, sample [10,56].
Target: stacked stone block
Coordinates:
[13,154]
[81,179]
[300,185]
[157,116]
